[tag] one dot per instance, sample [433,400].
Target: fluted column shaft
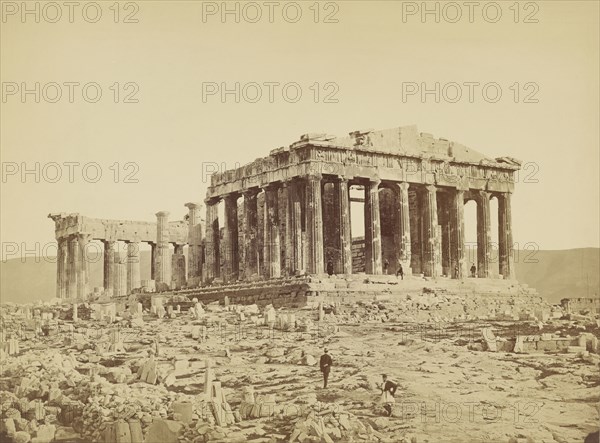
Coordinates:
[120,275]
[194,242]
[484,234]
[178,268]
[250,232]
[152,261]
[212,240]
[372,229]
[314,225]
[109,266]
[133,266]
[296,228]
[431,254]
[343,197]
[505,237]
[404,252]
[83,267]
[230,239]
[72,267]
[62,263]
[163,267]
[458,266]
[272,234]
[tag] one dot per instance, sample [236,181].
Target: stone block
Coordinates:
[185,411]
[164,431]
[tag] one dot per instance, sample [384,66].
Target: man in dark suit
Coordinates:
[325,364]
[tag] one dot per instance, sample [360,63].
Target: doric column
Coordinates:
[404,252]
[272,236]
[373,263]
[250,233]
[178,268]
[62,263]
[83,267]
[152,260]
[295,195]
[484,234]
[212,257]
[314,225]
[505,239]
[163,270]
[285,211]
[120,283]
[195,243]
[458,266]
[230,239]
[133,266]
[430,231]
[109,266]
[343,197]
[72,266]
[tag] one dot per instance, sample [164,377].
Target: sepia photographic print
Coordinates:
[300,221]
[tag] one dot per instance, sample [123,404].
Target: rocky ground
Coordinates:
[81,382]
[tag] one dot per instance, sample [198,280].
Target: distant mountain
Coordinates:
[555,274]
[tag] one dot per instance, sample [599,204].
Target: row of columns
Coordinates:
[303,230]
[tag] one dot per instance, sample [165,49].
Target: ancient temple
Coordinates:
[414,191]
[289,215]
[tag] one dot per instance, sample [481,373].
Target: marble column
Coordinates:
[62,264]
[152,260]
[272,234]
[484,234]
[404,248]
[431,253]
[296,228]
[250,233]
[133,266]
[120,283]
[195,243]
[72,266]
[314,225]
[458,265]
[505,238]
[178,267]
[83,267]
[230,239]
[285,211]
[373,264]
[163,270]
[343,198]
[109,266]
[212,257]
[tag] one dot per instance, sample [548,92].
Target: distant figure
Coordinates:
[473,270]
[388,390]
[330,267]
[456,271]
[325,364]
[399,270]
[386,265]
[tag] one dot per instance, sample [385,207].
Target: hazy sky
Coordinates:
[364,61]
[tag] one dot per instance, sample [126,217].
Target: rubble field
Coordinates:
[183,371]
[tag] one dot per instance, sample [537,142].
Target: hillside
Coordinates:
[556,275]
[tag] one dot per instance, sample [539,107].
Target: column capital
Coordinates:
[314,176]
[232,196]
[162,214]
[272,186]
[251,192]
[212,201]
[431,188]
[403,186]
[193,205]
[483,194]
[374,181]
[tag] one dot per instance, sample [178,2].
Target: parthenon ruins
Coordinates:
[289,214]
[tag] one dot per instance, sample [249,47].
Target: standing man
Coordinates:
[325,364]
[388,390]
[399,270]
[473,270]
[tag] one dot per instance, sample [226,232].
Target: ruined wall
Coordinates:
[577,305]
